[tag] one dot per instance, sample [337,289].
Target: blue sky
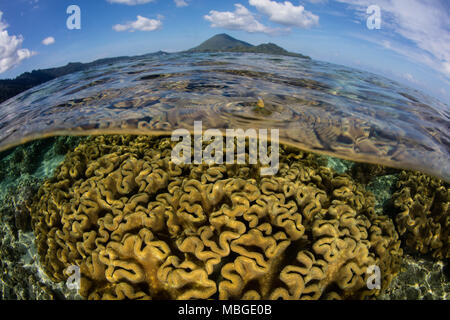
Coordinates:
[412,46]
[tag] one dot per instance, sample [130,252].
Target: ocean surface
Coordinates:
[317,106]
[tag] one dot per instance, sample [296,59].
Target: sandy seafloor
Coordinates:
[22,276]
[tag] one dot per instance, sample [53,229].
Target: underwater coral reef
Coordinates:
[423,216]
[141,227]
[22,171]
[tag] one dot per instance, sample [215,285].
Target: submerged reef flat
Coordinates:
[421,278]
[22,171]
[140,227]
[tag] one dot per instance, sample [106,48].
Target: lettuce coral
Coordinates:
[423,217]
[141,227]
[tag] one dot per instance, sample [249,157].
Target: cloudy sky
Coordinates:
[412,45]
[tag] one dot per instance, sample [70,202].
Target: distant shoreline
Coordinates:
[9,88]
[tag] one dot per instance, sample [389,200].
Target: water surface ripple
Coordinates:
[317,106]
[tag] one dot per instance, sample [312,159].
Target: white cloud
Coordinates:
[240,19]
[286,13]
[180,3]
[130,2]
[424,23]
[403,50]
[141,24]
[446,66]
[410,78]
[386,44]
[48,41]
[11,53]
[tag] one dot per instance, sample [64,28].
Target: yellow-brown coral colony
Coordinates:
[140,227]
[424,217]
